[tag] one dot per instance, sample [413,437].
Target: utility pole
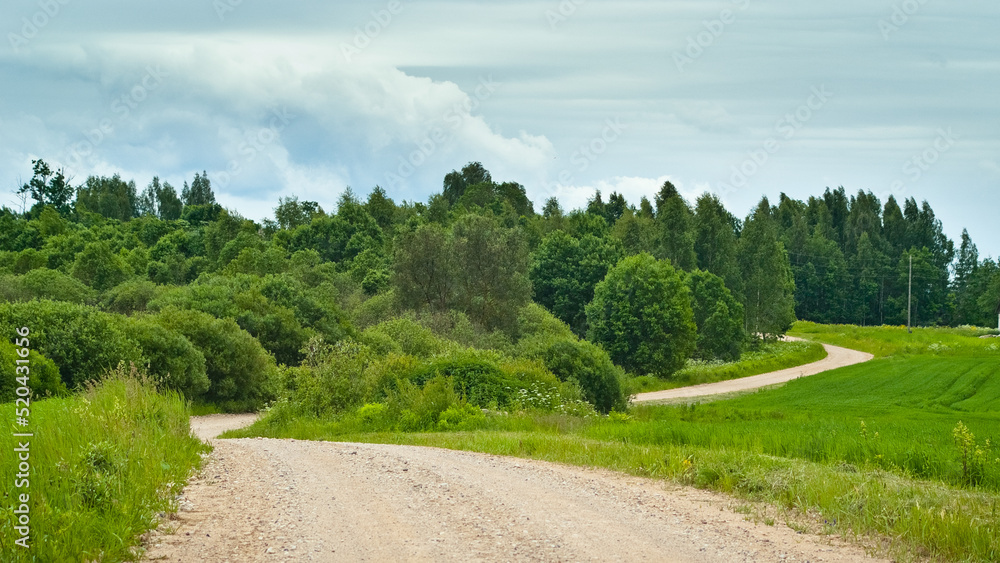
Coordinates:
[909,298]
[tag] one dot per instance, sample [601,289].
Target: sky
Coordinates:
[742,98]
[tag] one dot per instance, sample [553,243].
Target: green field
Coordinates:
[875,451]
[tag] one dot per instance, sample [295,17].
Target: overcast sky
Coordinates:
[743,98]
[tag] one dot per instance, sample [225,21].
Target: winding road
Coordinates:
[836,357]
[288,500]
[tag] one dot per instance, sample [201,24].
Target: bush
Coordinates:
[43,375]
[99,267]
[585,364]
[82,341]
[480,378]
[130,297]
[334,378]
[242,375]
[171,360]
[45,284]
[411,338]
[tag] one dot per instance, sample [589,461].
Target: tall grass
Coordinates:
[768,357]
[104,462]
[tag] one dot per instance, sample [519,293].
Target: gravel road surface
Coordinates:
[288,500]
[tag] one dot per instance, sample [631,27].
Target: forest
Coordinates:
[423,313]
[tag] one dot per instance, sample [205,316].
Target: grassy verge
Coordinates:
[103,463]
[769,357]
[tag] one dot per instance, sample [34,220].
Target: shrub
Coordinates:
[44,283]
[130,297]
[242,375]
[43,375]
[585,364]
[333,379]
[82,341]
[411,338]
[171,360]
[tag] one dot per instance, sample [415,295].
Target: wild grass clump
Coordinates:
[104,463]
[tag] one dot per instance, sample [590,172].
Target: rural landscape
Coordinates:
[476,321]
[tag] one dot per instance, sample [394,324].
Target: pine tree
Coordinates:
[715,242]
[674,221]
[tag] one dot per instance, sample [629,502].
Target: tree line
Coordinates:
[652,284]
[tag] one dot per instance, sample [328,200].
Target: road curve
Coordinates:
[836,357]
[289,500]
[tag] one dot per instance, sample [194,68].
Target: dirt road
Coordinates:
[836,357]
[287,500]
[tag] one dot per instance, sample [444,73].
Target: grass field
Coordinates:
[771,356]
[103,463]
[898,453]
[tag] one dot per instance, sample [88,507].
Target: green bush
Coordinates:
[104,463]
[44,283]
[171,360]
[43,375]
[130,297]
[412,338]
[334,378]
[243,375]
[585,364]
[82,341]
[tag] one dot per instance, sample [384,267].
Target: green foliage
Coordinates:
[43,283]
[99,267]
[112,197]
[82,341]
[241,372]
[409,337]
[170,359]
[130,297]
[112,458]
[768,283]
[641,314]
[565,271]
[718,316]
[43,375]
[584,364]
[48,188]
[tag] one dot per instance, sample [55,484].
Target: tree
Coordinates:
[200,192]
[769,288]
[424,268]
[966,270]
[292,213]
[455,183]
[491,266]
[381,207]
[641,314]
[715,241]
[718,316]
[564,272]
[48,188]
[676,232]
[159,200]
[99,267]
[111,197]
